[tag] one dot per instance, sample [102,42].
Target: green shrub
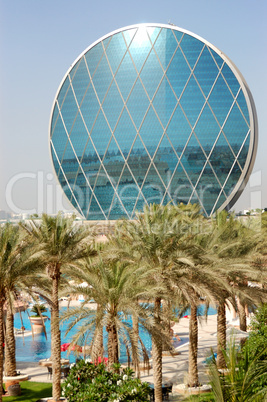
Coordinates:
[37,308]
[246,379]
[89,382]
[256,345]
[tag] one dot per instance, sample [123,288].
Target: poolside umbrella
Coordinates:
[84,285]
[99,360]
[64,347]
[237,333]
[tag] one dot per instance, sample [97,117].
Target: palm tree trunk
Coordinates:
[242,321]
[98,344]
[136,338]
[242,316]
[55,337]
[193,346]
[113,346]
[221,335]
[100,339]
[1,347]
[167,324]
[10,344]
[157,356]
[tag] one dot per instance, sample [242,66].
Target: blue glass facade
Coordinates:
[152,113]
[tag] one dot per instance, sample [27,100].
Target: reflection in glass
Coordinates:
[149,114]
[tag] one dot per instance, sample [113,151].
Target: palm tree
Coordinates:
[10,343]
[163,237]
[260,259]
[231,243]
[150,239]
[61,244]
[192,282]
[195,278]
[38,309]
[17,269]
[116,288]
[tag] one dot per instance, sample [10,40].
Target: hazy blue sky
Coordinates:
[40,39]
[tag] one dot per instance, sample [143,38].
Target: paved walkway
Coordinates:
[175,368]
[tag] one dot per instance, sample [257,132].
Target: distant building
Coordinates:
[253,212]
[4,215]
[152,113]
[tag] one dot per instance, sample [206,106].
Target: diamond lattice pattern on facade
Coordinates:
[149,114]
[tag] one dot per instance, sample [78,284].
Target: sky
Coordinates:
[39,40]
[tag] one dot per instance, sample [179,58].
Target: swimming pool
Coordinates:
[33,349]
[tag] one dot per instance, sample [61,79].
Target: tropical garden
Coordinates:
[145,274]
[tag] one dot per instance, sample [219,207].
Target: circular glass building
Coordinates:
[152,113]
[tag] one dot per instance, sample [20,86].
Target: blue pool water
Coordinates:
[31,349]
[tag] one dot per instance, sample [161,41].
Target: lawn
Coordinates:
[31,392]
